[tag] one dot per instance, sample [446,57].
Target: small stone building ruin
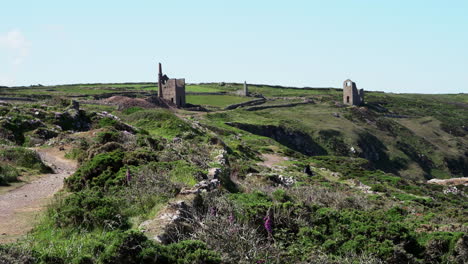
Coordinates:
[351,95]
[171,90]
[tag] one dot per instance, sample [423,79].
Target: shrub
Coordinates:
[107,122]
[280,195]
[149,185]
[15,255]
[8,174]
[23,157]
[134,247]
[140,157]
[107,136]
[89,209]
[99,171]
[132,110]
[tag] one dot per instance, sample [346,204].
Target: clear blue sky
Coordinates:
[395,46]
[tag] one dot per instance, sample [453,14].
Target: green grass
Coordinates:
[183,174]
[216,100]
[159,122]
[62,91]
[202,89]
[289,91]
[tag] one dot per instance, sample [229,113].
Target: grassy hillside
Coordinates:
[297,179]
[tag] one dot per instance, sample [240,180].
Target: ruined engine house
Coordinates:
[351,94]
[171,90]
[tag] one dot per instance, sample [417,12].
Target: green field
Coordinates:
[216,100]
[202,89]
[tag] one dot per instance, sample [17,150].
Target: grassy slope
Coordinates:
[311,216]
[319,117]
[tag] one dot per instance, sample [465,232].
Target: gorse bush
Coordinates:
[99,171]
[107,136]
[134,247]
[8,174]
[22,157]
[89,209]
[132,110]
[107,122]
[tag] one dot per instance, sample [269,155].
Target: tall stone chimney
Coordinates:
[160,81]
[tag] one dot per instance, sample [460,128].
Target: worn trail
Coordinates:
[20,208]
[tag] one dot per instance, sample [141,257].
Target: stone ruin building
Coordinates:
[351,95]
[171,90]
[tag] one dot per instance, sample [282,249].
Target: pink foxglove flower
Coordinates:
[268,224]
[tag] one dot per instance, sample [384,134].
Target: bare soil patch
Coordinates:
[452,181]
[124,102]
[271,160]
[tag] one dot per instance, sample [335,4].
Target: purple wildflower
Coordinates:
[213,211]
[268,224]
[231,218]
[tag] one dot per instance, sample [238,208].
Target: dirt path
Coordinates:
[452,181]
[21,207]
[272,160]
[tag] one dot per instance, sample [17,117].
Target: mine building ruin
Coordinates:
[171,90]
[351,95]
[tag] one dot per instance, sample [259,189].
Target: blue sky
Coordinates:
[394,46]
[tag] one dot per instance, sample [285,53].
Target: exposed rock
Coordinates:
[169,223]
[214,173]
[44,133]
[451,189]
[73,119]
[203,186]
[221,157]
[282,180]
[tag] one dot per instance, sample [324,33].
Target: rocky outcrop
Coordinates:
[171,221]
[73,119]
